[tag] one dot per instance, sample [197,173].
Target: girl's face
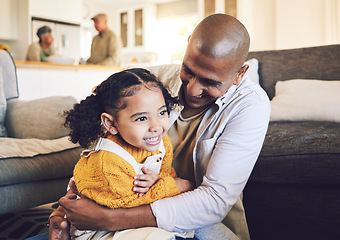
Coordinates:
[144,121]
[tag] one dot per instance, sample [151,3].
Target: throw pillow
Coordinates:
[252,72]
[3,106]
[305,99]
[40,118]
[168,73]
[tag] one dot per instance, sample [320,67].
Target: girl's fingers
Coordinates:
[147,171]
[140,189]
[141,177]
[144,184]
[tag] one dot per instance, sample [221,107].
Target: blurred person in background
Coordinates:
[106,46]
[39,51]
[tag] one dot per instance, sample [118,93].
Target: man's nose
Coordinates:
[194,88]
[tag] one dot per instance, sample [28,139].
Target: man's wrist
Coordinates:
[127,218]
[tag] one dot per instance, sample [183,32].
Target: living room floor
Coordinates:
[21,225]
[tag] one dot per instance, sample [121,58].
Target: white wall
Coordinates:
[93,8]
[282,24]
[8,19]
[300,23]
[20,45]
[258,16]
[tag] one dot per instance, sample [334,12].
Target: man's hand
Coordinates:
[144,182]
[59,229]
[83,213]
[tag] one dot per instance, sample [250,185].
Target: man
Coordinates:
[106,46]
[217,136]
[39,51]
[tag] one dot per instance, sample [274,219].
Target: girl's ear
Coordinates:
[108,123]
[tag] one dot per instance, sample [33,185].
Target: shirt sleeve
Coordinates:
[229,166]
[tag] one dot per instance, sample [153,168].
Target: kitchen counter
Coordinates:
[41,79]
[47,65]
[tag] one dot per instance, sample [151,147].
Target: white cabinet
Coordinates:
[8,20]
[136,27]
[60,10]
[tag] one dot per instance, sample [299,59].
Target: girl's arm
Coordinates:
[144,182]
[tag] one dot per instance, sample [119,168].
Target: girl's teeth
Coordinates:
[151,139]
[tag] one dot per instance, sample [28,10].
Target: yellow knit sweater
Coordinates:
[107,178]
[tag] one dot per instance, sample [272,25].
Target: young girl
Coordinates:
[131,163]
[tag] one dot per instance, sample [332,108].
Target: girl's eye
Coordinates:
[162,113]
[140,119]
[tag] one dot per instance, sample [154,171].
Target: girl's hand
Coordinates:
[144,182]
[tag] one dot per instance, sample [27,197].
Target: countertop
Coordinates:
[41,79]
[47,65]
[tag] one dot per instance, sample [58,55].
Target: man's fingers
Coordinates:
[66,199]
[71,196]
[72,185]
[59,229]
[64,224]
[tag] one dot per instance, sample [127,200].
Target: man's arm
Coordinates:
[102,218]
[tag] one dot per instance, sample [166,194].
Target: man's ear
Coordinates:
[240,74]
[108,123]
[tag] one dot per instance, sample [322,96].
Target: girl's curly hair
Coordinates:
[84,119]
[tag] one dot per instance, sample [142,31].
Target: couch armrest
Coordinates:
[41,118]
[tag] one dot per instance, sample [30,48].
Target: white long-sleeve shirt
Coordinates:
[229,140]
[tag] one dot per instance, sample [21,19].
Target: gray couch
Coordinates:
[36,159]
[294,189]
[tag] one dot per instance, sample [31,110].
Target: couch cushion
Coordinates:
[300,153]
[42,167]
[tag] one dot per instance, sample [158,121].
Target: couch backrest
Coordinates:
[10,83]
[321,63]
